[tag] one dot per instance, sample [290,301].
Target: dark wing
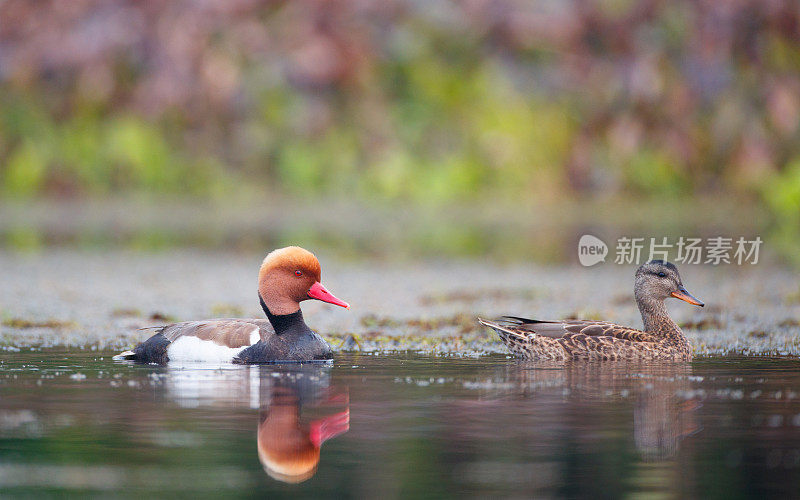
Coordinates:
[558,329]
[229,332]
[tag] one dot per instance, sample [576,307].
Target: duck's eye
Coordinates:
[298,273]
[661,274]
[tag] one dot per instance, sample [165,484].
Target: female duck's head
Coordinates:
[657,280]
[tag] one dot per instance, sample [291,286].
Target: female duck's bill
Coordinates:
[661,338]
[684,295]
[287,277]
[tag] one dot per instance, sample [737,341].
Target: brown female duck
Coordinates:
[661,338]
[287,277]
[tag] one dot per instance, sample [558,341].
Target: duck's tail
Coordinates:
[499,328]
[124,355]
[506,334]
[526,344]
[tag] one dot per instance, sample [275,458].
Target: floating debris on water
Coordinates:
[471,296]
[126,312]
[702,324]
[158,316]
[432,308]
[48,323]
[227,311]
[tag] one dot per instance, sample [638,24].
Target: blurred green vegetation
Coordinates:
[435,103]
[486,137]
[93,153]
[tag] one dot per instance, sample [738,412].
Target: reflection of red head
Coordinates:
[285,450]
[289,452]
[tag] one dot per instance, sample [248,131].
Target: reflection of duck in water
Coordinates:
[291,399]
[288,449]
[663,416]
[663,407]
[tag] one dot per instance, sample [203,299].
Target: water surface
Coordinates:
[75,422]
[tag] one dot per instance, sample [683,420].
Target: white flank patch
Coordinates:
[193,349]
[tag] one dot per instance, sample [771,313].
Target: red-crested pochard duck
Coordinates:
[661,338]
[287,277]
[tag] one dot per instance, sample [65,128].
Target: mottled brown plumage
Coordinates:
[660,339]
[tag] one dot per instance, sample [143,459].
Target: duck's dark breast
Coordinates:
[307,346]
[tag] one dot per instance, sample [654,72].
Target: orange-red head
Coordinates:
[289,276]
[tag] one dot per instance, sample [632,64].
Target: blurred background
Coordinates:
[442,158]
[495,128]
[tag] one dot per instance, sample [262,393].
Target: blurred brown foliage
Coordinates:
[653,96]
